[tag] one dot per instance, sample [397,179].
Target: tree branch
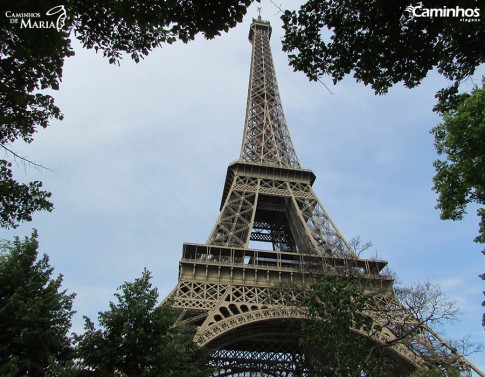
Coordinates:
[24,160]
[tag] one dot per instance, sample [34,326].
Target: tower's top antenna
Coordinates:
[259,13]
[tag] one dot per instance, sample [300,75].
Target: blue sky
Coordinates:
[138,167]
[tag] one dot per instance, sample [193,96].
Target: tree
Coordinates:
[382,43]
[460,178]
[32,61]
[35,313]
[19,200]
[138,338]
[336,306]
[341,310]
[427,303]
[423,309]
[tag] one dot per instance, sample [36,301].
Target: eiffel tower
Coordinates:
[246,302]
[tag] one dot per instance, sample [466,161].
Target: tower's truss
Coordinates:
[247,302]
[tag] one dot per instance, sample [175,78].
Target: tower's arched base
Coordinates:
[267,348]
[245,303]
[272,348]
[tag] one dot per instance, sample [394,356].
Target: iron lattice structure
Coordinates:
[266,139]
[246,302]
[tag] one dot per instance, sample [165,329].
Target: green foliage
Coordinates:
[136,27]
[35,314]
[380,43]
[138,338]
[460,179]
[32,61]
[19,200]
[332,339]
[335,306]
[482,276]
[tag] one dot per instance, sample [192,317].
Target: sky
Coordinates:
[139,162]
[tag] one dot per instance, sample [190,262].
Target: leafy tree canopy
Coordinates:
[340,311]
[460,178]
[19,200]
[32,61]
[35,313]
[335,306]
[380,43]
[138,338]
